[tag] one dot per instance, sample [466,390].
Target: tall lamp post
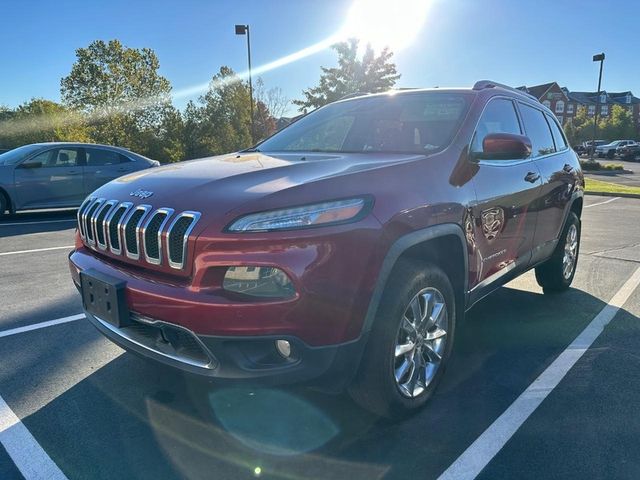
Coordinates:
[244,30]
[597,58]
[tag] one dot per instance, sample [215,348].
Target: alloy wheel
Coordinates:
[570,252]
[421,342]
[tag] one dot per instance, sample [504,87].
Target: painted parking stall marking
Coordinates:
[486,446]
[27,454]
[602,203]
[35,250]
[38,326]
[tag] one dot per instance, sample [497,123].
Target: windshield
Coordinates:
[13,156]
[421,122]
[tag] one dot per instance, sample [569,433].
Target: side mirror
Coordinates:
[31,165]
[505,146]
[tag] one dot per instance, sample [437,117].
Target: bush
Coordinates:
[589,165]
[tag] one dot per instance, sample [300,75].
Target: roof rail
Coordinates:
[482,84]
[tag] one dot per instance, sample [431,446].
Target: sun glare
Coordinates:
[385,23]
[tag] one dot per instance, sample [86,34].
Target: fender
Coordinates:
[401,245]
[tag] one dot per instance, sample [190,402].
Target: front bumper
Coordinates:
[237,359]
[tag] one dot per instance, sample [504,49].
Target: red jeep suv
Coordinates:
[344,250]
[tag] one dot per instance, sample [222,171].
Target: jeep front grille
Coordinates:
[125,229]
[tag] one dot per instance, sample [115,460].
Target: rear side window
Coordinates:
[499,116]
[537,129]
[558,137]
[98,157]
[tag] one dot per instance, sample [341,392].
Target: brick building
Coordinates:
[565,103]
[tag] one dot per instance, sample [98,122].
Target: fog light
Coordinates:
[284,348]
[267,282]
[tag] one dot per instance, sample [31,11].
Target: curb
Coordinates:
[609,194]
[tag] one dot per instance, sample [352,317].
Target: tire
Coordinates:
[555,275]
[3,205]
[375,387]
[611,154]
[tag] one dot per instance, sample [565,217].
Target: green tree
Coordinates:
[617,125]
[371,74]
[122,94]
[222,121]
[40,120]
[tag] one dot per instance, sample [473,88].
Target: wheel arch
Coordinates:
[443,245]
[10,205]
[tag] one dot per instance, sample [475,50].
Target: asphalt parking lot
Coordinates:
[81,408]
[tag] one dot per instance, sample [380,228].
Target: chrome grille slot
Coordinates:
[86,217]
[113,226]
[98,223]
[177,237]
[81,211]
[131,231]
[152,234]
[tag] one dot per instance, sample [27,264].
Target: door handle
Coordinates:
[73,172]
[532,177]
[567,168]
[123,170]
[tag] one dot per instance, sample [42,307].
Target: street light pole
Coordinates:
[596,58]
[244,30]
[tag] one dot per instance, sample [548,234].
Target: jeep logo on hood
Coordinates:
[141,193]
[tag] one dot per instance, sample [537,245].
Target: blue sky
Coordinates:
[514,42]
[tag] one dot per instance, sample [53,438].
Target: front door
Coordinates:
[501,220]
[52,178]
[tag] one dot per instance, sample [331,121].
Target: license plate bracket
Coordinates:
[104,297]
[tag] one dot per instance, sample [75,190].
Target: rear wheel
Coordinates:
[611,154]
[557,273]
[409,344]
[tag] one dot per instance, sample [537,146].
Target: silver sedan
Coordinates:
[61,175]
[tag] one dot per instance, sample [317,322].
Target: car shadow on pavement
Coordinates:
[131,418]
[37,222]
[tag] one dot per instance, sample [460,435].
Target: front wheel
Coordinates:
[556,274]
[410,342]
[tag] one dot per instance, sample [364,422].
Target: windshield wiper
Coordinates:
[250,150]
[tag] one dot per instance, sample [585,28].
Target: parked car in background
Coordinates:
[630,151]
[344,250]
[585,148]
[60,175]
[609,150]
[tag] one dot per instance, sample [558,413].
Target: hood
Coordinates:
[228,181]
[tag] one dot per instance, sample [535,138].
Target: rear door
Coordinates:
[558,165]
[103,165]
[52,178]
[503,220]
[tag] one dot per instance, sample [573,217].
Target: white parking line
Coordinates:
[602,203]
[36,250]
[486,446]
[37,222]
[25,451]
[37,326]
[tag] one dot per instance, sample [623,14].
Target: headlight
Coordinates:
[326,213]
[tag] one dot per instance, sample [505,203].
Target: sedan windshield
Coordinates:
[416,122]
[13,156]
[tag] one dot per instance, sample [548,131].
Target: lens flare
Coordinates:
[384,23]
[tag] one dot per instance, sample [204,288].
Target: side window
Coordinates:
[537,130]
[499,116]
[97,157]
[558,136]
[60,157]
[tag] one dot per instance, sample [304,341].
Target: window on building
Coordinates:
[603,98]
[592,110]
[547,103]
[560,119]
[570,108]
[537,129]
[604,110]
[628,99]
[560,106]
